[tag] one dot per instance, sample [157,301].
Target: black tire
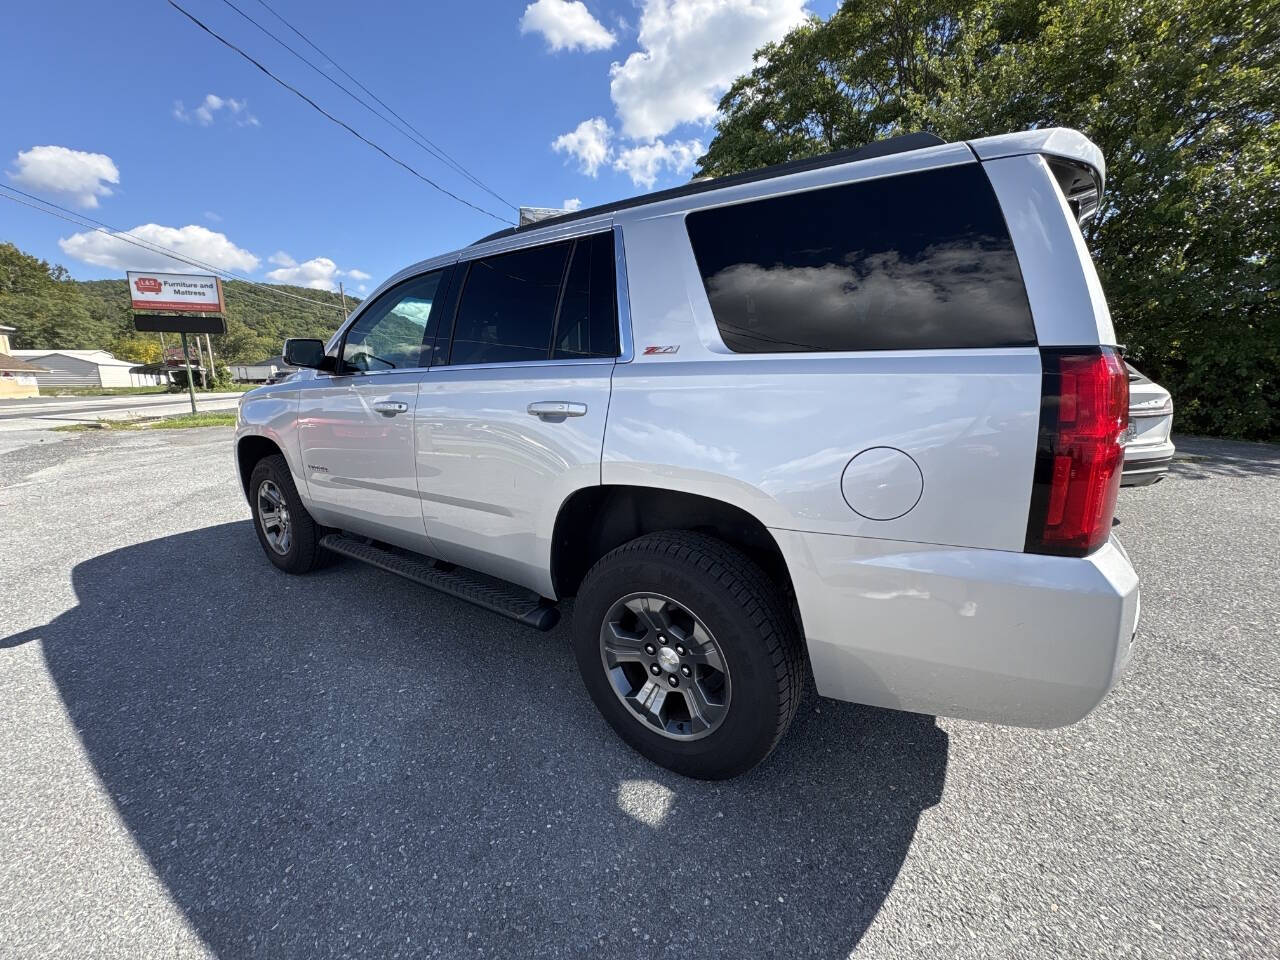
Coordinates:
[744,611]
[304,552]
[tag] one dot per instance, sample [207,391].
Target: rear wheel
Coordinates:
[289,536]
[689,651]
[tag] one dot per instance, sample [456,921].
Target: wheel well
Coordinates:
[249,451]
[595,520]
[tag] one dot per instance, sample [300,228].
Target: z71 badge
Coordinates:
[650,351]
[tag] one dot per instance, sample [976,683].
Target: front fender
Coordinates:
[271,413]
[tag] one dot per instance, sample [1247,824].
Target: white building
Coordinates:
[270,369]
[85,368]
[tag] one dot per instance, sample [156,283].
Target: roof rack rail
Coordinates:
[877,148]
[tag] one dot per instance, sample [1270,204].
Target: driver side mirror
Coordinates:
[300,352]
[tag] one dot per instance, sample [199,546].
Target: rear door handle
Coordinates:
[557,409]
[389,408]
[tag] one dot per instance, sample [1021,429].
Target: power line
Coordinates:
[80,220]
[435,154]
[405,127]
[319,109]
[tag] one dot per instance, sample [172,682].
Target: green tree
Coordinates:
[1181,97]
[42,303]
[140,348]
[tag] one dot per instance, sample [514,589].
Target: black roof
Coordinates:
[878,148]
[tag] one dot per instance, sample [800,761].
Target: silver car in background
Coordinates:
[1148,450]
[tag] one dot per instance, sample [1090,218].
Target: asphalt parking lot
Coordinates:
[203,756]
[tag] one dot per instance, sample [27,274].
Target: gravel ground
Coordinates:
[205,757]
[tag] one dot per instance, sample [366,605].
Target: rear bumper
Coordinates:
[991,635]
[1146,463]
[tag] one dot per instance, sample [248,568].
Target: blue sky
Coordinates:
[128,113]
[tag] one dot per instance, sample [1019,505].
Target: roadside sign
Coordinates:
[178,303]
[175,292]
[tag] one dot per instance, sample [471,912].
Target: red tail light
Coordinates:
[1084,409]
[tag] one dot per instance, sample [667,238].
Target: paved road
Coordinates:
[203,756]
[41,413]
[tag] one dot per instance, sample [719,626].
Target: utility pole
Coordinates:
[204,370]
[343,294]
[209,346]
[191,383]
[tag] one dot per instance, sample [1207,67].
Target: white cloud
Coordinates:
[362,288]
[690,51]
[643,163]
[588,142]
[199,243]
[83,177]
[573,203]
[318,273]
[591,142]
[566,25]
[237,111]
[213,217]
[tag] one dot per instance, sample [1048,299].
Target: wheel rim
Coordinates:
[273,517]
[665,666]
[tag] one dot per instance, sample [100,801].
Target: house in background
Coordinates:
[86,368]
[271,369]
[17,377]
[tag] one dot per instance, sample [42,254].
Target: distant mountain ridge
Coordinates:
[49,310]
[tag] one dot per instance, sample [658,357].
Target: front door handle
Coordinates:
[557,409]
[389,408]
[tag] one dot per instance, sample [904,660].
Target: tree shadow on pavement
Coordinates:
[1203,458]
[346,764]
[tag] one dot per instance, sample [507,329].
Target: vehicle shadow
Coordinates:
[347,764]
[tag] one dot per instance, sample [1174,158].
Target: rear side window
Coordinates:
[915,261]
[508,308]
[588,321]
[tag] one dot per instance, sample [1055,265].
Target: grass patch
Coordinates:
[103,391]
[214,418]
[140,391]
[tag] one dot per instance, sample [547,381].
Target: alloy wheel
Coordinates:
[665,666]
[273,517]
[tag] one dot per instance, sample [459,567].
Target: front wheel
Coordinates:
[289,536]
[689,651]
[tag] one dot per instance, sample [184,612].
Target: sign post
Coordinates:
[191,383]
[179,303]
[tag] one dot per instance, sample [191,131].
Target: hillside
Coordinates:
[51,310]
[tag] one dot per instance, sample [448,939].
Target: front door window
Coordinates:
[396,332]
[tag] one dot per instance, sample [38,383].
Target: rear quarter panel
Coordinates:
[773,433]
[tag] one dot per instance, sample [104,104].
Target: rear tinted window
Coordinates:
[588,323]
[508,306]
[915,261]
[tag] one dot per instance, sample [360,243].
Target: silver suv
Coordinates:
[858,416]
